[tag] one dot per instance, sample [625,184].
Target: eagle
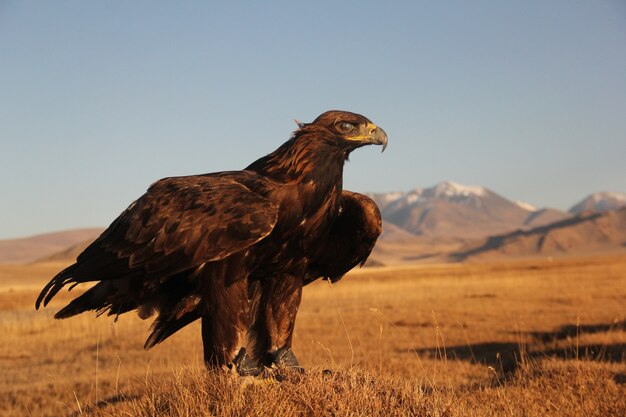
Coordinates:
[235,248]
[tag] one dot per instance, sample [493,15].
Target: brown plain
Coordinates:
[516,338]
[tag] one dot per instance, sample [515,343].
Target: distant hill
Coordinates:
[398,246]
[585,233]
[544,216]
[68,254]
[29,249]
[395,234]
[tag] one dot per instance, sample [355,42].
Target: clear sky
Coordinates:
[99,98]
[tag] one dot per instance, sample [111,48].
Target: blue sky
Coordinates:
[98,99]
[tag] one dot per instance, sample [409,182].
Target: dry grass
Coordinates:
[525,338]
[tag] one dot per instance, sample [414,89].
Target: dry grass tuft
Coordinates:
[546,388]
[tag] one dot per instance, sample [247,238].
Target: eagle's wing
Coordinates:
[180,223]
[351,239]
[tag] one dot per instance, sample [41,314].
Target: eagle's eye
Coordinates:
[346,127]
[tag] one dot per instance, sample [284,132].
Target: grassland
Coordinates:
[522,338]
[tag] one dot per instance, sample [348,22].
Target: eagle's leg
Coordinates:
[276,320]
[227,317]
[219,339]
[221,353]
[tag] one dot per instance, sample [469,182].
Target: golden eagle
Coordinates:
[235,248]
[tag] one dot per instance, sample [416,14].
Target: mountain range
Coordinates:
[452,210]
[445,222]
[450,221]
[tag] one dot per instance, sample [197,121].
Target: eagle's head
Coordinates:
[320,148]
[349,129]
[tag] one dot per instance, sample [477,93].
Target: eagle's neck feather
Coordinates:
[305,158]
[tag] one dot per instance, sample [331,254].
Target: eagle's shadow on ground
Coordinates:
[571,331]
[506,358]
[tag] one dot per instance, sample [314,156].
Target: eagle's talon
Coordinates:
[284,358]
[279,377]
[244,365]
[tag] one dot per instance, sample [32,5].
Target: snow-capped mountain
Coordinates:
[602,201]
[384,199]
[449,209]
[444,191]
[452,210]
[449,189]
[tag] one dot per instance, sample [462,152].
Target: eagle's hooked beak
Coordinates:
[376,136]
[380,137]
[370,134]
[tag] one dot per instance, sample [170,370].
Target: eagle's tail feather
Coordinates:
[55,285]
[96,298]
[164,327]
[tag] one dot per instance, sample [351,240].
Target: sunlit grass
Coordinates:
[519,338]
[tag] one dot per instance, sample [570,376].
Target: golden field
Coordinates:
[515,338]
